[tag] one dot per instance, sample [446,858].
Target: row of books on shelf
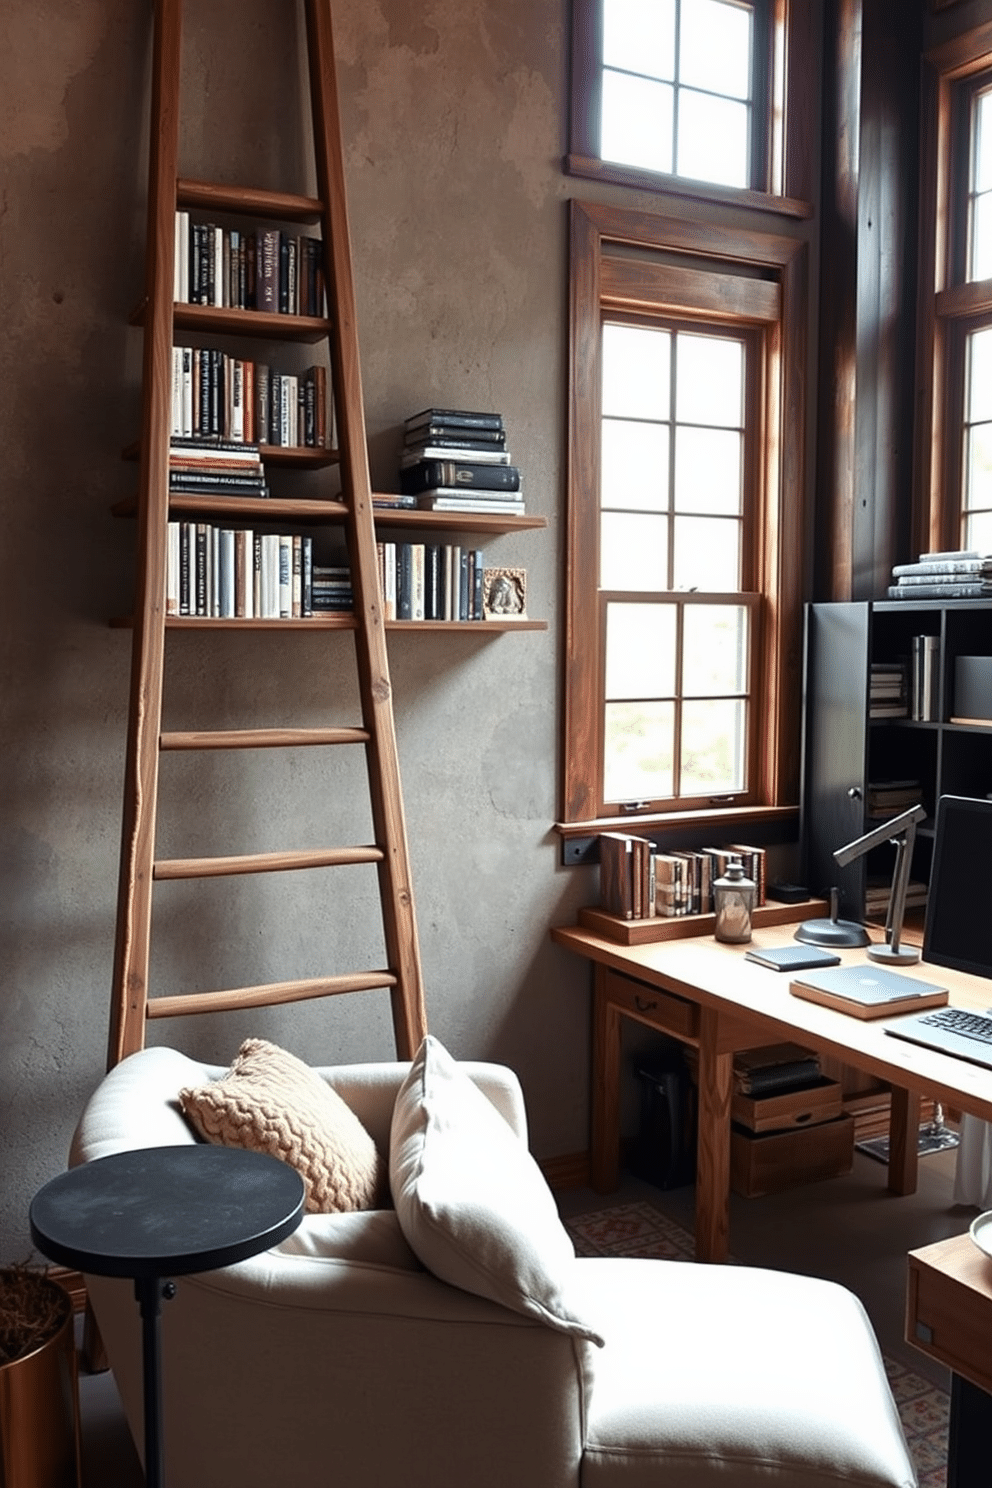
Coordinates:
[431,581]
[639,881]
[217,396]
[963,573]
[457,460]
[908,687]
[236,573]
[266,268]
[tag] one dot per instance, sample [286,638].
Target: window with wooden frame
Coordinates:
[704,97]
[686,473]
[954,445]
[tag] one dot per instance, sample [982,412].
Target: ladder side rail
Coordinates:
[395,883]
[132,941]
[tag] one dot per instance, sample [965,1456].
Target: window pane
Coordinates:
[978,532]
[981,243]
[709,381]
[713,752]
[634,465]
[708,471]
[638,751]
[979,399]
[713,139]
[715,47]
[714,650]
[707,554]
[639,36]
[636,372]
[978,467]
[636,122]
[983,143]
[640,650]
[633,552]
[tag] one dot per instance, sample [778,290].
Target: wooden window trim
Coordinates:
[945,307]
[789,137]
[779,542]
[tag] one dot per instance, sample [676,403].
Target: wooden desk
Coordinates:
[707,995]
[949,1317]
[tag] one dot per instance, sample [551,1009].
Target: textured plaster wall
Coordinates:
[454,121]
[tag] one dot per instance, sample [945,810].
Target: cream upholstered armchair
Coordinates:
[455,1341]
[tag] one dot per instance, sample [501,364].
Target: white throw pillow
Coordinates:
[470,1199]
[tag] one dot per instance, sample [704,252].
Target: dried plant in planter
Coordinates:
[32,1310]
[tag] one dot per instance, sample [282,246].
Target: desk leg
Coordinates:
[148,1290]
[713,1143]
[605,1137]
[904,1128]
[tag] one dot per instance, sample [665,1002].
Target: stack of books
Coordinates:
[887,798]
[887,692]
[331,589]
[775,1069]
[961,574]
[221,468]
[456,460]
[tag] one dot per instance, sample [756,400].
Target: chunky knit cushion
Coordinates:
[270,1101]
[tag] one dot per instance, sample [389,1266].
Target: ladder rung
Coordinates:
[267,996]
[271,738]
[276,862]
[284,205]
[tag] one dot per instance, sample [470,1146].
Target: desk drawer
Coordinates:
[661,1010]
[779,1160]
[793,1108]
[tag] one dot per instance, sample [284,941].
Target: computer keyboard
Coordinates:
[951,1030]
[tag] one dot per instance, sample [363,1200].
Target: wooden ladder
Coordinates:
[139,869]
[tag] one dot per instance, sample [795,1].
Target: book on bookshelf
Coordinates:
[454,418]
[495,503]
[477,453]
[439,475]
[628,886]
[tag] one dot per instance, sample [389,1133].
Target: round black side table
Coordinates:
[159,1212]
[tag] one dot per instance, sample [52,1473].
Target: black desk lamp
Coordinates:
[901,831]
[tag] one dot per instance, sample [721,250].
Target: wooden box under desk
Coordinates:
[949,1307]
[788,1109]
[766,1163]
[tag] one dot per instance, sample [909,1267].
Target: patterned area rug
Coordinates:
[641,1230]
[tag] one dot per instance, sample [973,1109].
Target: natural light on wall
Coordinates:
[677,87]
[976,505]
[671,520]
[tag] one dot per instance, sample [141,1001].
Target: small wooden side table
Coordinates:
[949,1317]
[157,1212]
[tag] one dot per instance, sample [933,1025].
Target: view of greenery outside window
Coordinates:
[677,660]
[976,491]
[677,87]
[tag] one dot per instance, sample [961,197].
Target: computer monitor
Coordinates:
[958,926]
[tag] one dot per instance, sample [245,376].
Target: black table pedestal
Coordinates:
[164,1211]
